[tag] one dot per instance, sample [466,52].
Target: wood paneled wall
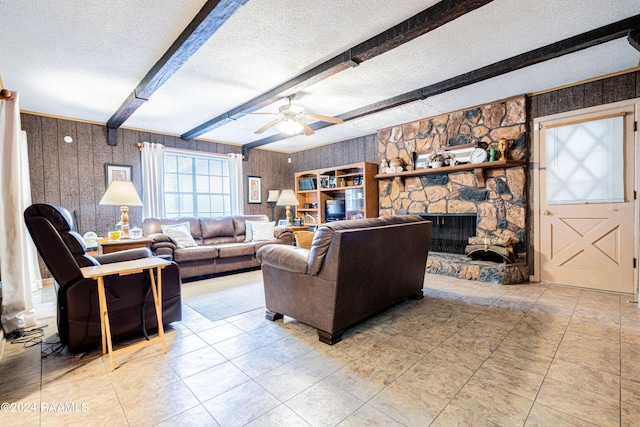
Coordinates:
[363,149]
[72,175]
[599,92]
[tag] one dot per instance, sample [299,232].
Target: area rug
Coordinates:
[231,301]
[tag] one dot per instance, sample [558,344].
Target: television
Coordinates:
[334,210]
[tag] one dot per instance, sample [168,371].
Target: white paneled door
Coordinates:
[585,203]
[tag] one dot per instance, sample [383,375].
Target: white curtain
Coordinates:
[152,180]
[18,259]
[237,189]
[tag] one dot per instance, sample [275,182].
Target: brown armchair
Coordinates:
[131,308]
[353,270]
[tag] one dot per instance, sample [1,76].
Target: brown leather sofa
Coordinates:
[353,270]
[128,297]
[221,245]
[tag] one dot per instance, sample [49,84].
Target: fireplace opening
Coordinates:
[450,232]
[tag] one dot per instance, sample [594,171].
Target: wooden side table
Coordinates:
[98,272]
[107,246]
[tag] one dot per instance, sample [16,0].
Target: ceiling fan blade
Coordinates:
[268,125]
[329,119]
[305,127]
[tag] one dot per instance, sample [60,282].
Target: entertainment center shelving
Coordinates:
[354,184]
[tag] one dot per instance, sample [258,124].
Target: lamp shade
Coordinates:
[287,198]
[273,196]
[121,193]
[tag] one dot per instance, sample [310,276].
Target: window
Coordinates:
[196,184]
[585,162]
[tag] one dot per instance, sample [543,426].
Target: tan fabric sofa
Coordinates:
[353,270]
[221,245]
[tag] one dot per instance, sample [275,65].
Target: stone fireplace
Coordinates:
[450,232]
[497,202]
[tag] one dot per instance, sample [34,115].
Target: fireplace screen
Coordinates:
[450,232]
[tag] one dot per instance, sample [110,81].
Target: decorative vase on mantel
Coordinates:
[435,164]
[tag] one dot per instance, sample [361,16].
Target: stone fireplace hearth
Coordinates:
[499,202]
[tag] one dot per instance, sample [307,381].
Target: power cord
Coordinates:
[28,337]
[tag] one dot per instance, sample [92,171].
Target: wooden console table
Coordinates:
[98,272]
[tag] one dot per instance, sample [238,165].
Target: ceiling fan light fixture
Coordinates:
[289,126]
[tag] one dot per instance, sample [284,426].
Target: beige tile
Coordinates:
[496,404]
[453,415]
[318,362]
[23,418]
[513,357]
[178,344]
[279,416]
[196,361]
[336,404]
[288,380]
[200,323]
[629,389]
[579,403]
[411,407]
[241,405]
[196,416]
[596,353]
[534,324]
[466,351]
[584,377]
[220,333]
[630,414]
[440,378]
[362,379]
[239,345]
[261,361]
[544,416]
[597,326]
[368,416]
[215,380]
[157,404]
[518,381]
[538,344]
[484,346]
[630,368]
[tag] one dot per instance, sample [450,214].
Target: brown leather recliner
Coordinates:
[64,253]
[353,270]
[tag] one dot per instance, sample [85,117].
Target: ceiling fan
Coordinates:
[291,120]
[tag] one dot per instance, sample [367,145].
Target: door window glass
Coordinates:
[585,162]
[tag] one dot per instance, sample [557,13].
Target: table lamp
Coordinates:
[287,198]
[272,198]
[123,194]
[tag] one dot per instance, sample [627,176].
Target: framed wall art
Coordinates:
[255,189]
[113,172]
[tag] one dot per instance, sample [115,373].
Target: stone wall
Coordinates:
[501,205]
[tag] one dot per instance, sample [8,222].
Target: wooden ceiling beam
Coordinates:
[604,34]
[419,24]
[634,39]
[208,20]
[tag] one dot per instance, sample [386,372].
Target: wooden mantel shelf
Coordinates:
[478,169]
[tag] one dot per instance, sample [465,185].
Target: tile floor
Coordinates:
[468,354]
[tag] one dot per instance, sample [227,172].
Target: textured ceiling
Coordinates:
[81,59]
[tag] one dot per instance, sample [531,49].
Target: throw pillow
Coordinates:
[263,230]
[181,233]
[248,230]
